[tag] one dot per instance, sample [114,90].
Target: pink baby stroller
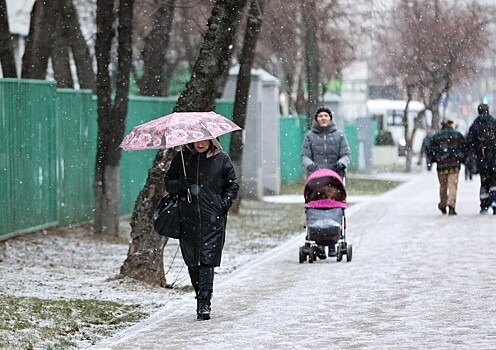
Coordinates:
[325,204]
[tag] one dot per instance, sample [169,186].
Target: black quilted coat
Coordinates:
[213,191]
[485,156]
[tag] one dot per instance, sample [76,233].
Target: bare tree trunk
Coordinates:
[311,58]
[60,48]
[111,119]
[156,44]
[79,47]
[6,48]
[144,261]
[253,25]
[38,43]
[298,65]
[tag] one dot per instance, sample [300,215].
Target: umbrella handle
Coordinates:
[184,170]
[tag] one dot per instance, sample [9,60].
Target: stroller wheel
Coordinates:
[303,256]
[339,253]
[349,253]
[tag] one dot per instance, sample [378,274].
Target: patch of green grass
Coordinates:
[354,186]
[25,323]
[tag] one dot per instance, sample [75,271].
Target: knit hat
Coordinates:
[323,109]
[483,108]
[448,122]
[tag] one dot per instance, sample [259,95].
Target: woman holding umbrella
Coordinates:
[204,178]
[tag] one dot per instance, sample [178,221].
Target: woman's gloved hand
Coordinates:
[339,166]
[184,183]
[311,168]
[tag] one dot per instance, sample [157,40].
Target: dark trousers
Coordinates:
[202,278]
[487,192]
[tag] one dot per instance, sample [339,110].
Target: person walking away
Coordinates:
[209,181]
[424,150]
[448,151]
[324,146]
[481,141]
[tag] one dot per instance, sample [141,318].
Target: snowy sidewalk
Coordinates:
[418,280]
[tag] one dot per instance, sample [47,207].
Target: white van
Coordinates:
[389,116]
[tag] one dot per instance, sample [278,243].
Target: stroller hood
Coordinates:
[320,178]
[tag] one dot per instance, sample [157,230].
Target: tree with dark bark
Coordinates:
[428,64]
[282,48]
[55,33]
[41,35]
[79,48]
[153,83]
[111,115]
[59,50]
[145,256]
[310,43]
[6,48]
[246,59]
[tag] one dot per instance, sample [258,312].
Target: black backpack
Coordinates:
[486,137]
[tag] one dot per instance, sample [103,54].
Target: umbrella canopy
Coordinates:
[177,129]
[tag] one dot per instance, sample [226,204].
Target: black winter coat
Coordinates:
[213,191]
[485,156]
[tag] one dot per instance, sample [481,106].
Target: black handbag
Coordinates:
[166,218]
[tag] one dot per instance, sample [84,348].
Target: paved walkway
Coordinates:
[418,280]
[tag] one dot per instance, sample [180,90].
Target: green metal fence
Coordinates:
[76,151]
[28,168]
[292,132]
[48,148]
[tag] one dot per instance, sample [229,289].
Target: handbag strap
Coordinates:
[184,170]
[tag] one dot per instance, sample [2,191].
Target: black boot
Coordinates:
[443,209]
[451,210]
[204,304]
[194,275]
[206,284]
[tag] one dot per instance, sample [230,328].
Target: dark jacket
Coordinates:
[324,147]
[448,149]
[214,189]
[485,157]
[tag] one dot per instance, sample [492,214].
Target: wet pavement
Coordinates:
[418,280]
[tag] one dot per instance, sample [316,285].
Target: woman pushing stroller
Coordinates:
[325,155]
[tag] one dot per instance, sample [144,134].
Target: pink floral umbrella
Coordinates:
[177,129]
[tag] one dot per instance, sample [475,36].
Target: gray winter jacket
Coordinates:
[325,148]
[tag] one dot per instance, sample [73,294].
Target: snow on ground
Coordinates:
[418,280]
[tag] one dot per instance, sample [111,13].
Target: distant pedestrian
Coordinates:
[448,151]
[210,183]
[425,149]
[324,146]
[481,141]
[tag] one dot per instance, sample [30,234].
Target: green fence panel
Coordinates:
[292,130]
[28,154]
[225,108]
[48,151]
[351,135]
[76,155]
